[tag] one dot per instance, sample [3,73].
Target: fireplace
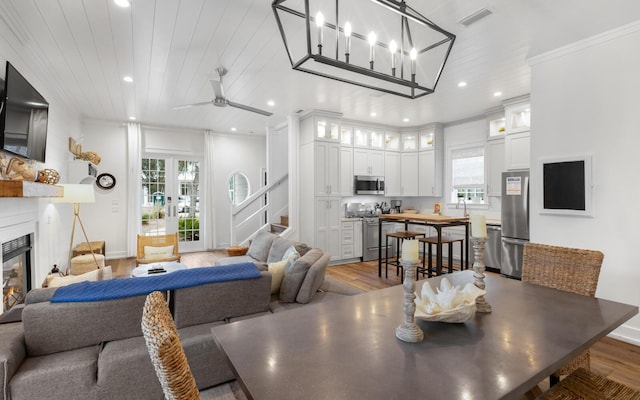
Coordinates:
[16,270]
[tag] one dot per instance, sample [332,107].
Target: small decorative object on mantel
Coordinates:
[449,304]
[408,331]
[479,238]
[17,169]
[76,150]
[49,176]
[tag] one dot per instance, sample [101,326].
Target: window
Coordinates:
[467,175]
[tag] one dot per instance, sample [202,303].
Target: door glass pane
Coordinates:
[153,196]
[189,201]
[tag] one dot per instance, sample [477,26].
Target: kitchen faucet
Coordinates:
[464,202]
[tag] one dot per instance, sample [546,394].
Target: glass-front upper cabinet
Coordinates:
[346,135]
[361,137]
[426,139]
[377,140]
[409,141]
[392,141]
[328,130]
[517,114]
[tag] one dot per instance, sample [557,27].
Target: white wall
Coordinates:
[234,153]
[278,165]
[585,100]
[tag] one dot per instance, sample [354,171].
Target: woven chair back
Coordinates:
[165,350]
[563,268]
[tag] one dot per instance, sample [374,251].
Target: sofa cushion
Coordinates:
[278,249]
[206,360]
[95,275]
[313,280]
[217,301]
[116,382]
[65,375]
[294,277]
[76,325]
[260,245]
[277,270]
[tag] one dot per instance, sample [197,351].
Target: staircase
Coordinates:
[281,227]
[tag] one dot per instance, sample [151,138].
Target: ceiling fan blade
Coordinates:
[248,108]
[218,91]
[190,105]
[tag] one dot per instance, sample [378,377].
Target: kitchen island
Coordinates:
[434,220]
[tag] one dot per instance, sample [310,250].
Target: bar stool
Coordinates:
[449,241]
[400,236]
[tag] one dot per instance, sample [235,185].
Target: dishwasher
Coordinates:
[493,248]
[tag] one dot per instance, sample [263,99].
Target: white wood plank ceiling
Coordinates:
[171,49]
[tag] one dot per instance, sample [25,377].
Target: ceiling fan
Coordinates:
[220,101]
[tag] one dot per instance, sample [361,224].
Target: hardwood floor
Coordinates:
[612,358]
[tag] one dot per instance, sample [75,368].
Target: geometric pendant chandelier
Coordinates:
[377,44]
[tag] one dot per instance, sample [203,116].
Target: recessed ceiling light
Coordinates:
[373,114]
[271,103]
[132,118]
[406,120]
[127,79]
[497,94]
[122,3]
[233,129]
[462,84]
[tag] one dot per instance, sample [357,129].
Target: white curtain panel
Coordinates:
[134,163]
[208,189]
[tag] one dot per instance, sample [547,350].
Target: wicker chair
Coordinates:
[583,384]
[165,349]
[157,241]
[568,269]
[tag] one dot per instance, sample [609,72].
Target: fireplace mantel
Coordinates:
[29,189]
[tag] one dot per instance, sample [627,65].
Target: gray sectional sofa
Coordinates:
[95,350]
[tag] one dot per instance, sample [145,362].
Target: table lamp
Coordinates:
[76,194]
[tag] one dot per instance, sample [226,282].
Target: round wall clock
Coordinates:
[105,181]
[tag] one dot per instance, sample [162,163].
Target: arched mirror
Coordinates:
[238,188]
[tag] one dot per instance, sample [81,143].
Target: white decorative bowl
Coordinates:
[449,304]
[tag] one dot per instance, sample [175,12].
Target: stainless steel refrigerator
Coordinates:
[515,221]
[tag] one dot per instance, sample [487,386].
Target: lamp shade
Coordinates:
[77,193]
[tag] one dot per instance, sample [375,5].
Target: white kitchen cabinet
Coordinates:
[517,151]
[427,139]
[346,171]
[427,178]
[495,164]
[368,162]
[327,157]
[346,135]
[327,129]
[392,141]
[327,225]
[350,239]
[496,123]
[517,113]
[392,174]
[410,174]
[410,141]
[357,238]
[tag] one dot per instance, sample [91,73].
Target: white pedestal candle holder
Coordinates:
[478,272]
[408,331]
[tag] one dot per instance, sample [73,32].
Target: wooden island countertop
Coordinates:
[433,218]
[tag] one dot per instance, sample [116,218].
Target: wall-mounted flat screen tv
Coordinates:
[24,117]
[567,186]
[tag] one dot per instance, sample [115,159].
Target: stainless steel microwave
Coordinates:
[369,184]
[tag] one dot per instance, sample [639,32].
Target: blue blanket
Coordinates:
[119,288]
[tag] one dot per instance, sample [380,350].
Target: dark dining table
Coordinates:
[347,348]
[433,220]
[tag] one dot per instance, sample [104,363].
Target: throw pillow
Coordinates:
[157,252]
[290,256]
[95,275]
[277,274]
[294,277]
[260,245]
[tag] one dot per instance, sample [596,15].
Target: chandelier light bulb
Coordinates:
[393,47]
[319,24]
[413,55]
[372,39]
[347,40]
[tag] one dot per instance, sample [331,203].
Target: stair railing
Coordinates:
[237,224]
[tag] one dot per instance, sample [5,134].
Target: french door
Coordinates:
[171,199]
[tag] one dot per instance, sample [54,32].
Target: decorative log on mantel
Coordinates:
[29,189]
